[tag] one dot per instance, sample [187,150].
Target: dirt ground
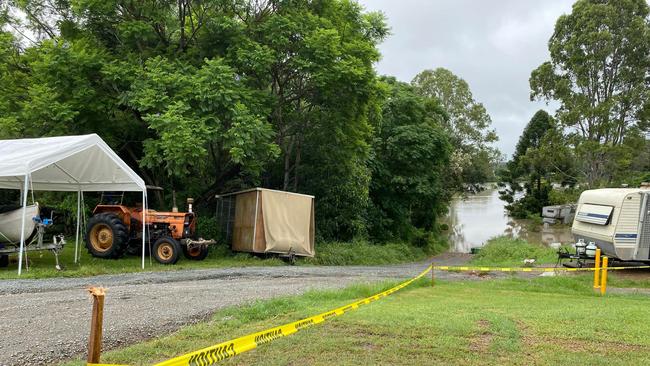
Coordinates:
[45,321]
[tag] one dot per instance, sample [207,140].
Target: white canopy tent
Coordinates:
[67,163]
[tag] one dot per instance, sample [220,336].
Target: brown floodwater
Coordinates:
[476,218]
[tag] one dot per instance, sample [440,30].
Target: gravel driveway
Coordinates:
[45,321]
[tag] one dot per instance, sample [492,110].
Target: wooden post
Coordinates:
[603,280]
[597,270]
[96,323]
[432,274]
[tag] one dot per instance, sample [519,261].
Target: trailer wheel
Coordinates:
[166,250]
[196,252]
[107,236]
[4,261]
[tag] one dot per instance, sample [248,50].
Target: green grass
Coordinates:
[327,253]
[361,252]
[540,321]
[507,251]
[42,263]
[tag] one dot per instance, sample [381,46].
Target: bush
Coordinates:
[564,196]
[362,252]
[507,251]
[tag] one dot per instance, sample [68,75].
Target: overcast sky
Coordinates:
[493,45]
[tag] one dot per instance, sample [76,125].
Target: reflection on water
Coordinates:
[478,217]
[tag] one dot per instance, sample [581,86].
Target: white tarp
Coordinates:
[66,163]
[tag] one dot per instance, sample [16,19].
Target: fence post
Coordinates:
[96,323]
[597,270]
[603,281]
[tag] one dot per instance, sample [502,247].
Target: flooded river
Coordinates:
[478,217]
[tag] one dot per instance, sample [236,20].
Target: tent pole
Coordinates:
[76,241]
[22,226]
[144,223]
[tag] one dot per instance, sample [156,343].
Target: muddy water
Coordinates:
[476,218]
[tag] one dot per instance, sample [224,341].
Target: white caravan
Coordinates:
[617,220]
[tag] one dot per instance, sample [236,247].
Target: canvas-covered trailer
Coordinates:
[268,221]
[617,220]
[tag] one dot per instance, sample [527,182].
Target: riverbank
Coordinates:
[511,321]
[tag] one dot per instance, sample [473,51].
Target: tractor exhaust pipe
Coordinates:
[174,207]
[190,201]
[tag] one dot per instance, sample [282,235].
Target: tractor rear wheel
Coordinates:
[107,236]
[195,252]
[166,250]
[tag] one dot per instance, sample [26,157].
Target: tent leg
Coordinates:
[76,241]
[22,226]
[144,226]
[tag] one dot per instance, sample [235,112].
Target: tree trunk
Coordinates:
[297,165]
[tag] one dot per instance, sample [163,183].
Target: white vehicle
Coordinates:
[617,220]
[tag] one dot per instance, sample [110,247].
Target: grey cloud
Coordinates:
[493,45]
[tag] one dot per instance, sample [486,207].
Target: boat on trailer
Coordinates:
[11,220]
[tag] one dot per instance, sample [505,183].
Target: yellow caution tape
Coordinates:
[213,354]
[527,269]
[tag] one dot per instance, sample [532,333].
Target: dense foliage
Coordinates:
[411,153]
[205,97]
[540,159]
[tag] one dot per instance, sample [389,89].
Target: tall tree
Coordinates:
[467,120]
[541,156]
[600,73]
[411,153]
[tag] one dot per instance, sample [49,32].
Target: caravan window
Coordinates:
[594,214]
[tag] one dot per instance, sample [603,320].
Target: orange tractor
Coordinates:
[115,229]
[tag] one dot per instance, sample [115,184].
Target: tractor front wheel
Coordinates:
[107,236]
[166,250]
[195,252]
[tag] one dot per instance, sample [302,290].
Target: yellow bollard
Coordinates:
[603,280]
[432,275]
[433,278]
[597,270]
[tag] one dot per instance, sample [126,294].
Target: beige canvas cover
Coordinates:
[288,222]
[268,221]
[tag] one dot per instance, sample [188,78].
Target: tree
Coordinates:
[411,154]
[207,96]
[541,157]
[600,73]
[467,120]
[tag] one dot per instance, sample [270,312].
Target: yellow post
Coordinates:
[432,275]
[597,270]
[603,281]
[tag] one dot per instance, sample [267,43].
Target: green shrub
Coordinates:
[362,252]
[564,196]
